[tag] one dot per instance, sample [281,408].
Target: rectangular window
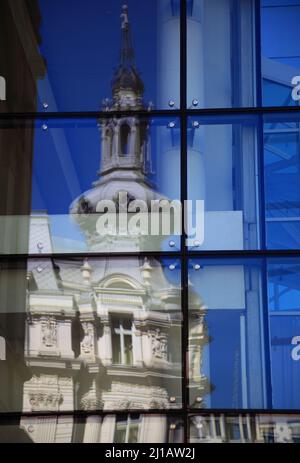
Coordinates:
[122,332]
[127,430]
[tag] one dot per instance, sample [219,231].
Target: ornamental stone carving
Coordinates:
[87,344]
[43,401]
[91,401]
[159,345]
[135,397]
[49,333]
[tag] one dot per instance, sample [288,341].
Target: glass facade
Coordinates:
[149,221]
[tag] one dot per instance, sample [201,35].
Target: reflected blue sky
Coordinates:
[80,41]
[280,33]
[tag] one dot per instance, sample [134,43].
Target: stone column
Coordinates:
[92,431]
[108,429]
[154,429]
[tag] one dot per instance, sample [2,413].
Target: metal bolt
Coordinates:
[196,244]
[172,244]
[171,125]
[172,426]
[197,267]
[171,103]
[39,269]
[195,102]
[40,246]
[172,267]
[196,125]
[45,105]
[172,399]
[45,127]
[199,400]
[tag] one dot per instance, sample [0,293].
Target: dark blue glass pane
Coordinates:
[282,181]
[284,285]
[77,165]
[72,152]
[285,368]
[226,352]
[71,58]
[284,315]
[280,53]
[221,54]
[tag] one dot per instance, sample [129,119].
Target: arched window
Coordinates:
[2,348]
[109,142]
[125,137]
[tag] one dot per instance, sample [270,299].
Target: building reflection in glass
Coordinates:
[245,428]
[103,334]
[119,429]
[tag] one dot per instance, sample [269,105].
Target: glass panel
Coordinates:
[222,173]
[258,429]
[226,352]
[87,195]
[92,429]
[280,52]
[282,180]
[88,58]
[58,328]
[221,66]
[284,313]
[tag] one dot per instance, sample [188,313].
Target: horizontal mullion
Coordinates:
[162,254]
[180,413]
[154,113]
[242,411]
[83,413]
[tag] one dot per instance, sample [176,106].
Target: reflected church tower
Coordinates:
[125,158]
[105,333]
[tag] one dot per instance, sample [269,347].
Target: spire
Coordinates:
[127,51]
[126,76]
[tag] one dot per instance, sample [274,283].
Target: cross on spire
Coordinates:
[127,51]
[126,76]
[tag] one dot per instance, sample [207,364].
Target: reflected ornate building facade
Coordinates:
[90,347]
[105,334]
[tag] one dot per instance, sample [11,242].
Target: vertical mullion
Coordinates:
[266,334]
[263,245]
[257,38]
[183,193]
